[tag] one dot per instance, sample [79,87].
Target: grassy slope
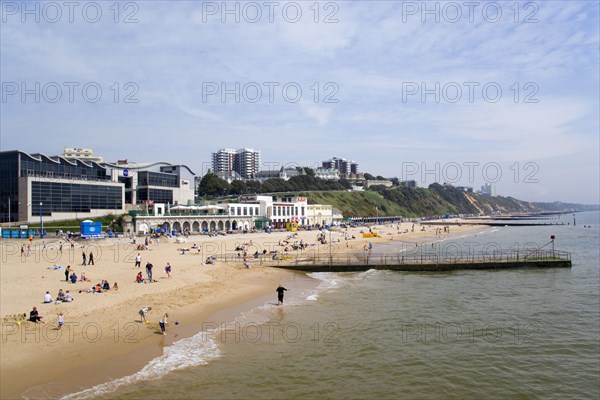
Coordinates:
[409,202]
[436,200]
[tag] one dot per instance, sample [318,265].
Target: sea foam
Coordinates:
[199,349]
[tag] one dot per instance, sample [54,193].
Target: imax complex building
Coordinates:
[37,186]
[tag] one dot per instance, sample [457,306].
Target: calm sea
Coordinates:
[531,333]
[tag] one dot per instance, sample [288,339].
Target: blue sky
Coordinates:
[383,63]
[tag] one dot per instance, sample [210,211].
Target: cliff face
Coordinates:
[436,200]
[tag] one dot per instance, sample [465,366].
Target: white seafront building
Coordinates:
[249,213]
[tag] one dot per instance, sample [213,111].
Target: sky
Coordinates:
[457,92]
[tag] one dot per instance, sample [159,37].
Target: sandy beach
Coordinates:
[103,337]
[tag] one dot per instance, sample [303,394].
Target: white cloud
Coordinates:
[369,54]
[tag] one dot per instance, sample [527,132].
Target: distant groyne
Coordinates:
[493,223]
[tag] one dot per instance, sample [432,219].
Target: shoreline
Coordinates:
[110,358]
[132,361]
[124,346]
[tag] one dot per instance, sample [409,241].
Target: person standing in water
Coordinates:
[280,291]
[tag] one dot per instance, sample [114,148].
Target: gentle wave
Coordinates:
[336,280]
[199,349]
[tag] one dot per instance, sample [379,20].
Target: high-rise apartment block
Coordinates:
[345,167]
[245,162]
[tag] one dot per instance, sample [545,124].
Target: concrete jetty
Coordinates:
[431,262]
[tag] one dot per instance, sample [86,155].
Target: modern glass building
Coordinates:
[158,182]
[34,186]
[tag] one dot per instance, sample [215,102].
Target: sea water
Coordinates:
[516,333]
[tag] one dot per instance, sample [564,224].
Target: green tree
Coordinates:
[368,176]
[212,185]
[238,187]
[274,185]
[345,183]
[309,171]
[253,187]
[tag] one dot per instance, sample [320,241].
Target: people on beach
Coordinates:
[61,320]
[139,278]
[68,297]
[83,277]
[91,258]
[60,296]
[116,286]
[48,298]
[143,311]
[34,315]
[73,277]
[163,324]
[168,270]
[280,291]
[83,257]
[67,273]
[149,271]
[138,261]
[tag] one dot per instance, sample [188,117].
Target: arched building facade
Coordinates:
[192,223]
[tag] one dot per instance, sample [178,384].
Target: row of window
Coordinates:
[148,178]
[69,197]
[289,211]
[156,195]
[45,168]
[244,211]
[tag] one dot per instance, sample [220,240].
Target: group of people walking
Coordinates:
[89,258]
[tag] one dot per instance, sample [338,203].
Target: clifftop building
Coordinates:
[346,168]
[489,189]
[246,162]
